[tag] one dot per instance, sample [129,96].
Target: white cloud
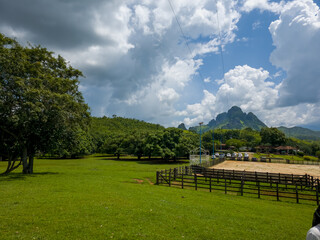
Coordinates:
[296,37]
[168,95]
[250,89]
[207,80]
[142,18]
[263,5]
[243,86]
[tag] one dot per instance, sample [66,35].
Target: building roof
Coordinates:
[285,148]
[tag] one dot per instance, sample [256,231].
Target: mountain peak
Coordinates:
[235,110]
[235,118]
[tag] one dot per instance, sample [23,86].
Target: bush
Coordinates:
[318,154]
[301,154]
[306,158]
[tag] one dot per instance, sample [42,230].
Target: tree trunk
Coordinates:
[30,165]
[27,165]
[11,164]
[24,159]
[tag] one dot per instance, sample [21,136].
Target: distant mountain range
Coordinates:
[300,133]
[235,118]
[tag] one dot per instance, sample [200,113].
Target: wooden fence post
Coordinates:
[195,181]
[277,192]
[285,179]
[170,178]
[258,189]
[157,178]
[210,184]
[182,181]
[256,177]
[297,196]
[241,187]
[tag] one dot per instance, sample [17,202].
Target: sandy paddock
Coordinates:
[312,170]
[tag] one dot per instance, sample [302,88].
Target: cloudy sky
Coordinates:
[173,61]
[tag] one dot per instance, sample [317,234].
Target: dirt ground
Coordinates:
[270,167]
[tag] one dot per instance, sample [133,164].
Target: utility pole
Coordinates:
[200,140]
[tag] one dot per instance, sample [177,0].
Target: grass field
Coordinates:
[99,198]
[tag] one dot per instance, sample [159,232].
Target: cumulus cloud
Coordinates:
[262,5]
[295,100]
[250,89]
[242,86]
[137,63]
[296,37]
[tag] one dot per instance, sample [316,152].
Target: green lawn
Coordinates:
[99,198]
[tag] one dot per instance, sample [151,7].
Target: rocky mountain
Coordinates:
[235,118]
[300,133]
[182,126]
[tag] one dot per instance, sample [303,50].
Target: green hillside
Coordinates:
[300,133]
[119,124]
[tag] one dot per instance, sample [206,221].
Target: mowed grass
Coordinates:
[99,198]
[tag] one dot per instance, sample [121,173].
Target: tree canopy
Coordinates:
[41,108]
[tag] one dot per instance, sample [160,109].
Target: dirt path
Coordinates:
[271,167]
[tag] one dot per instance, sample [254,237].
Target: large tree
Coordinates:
[41,107]
[272,136]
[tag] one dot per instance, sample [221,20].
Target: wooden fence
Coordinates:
[279,186]
[280,160]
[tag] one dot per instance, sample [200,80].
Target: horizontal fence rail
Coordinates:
[278,160]
[272,185]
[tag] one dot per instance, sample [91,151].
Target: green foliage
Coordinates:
[133,137]
[301,133]
[41,108]
[301,154]
[272,136]
[318,154]
[236,143]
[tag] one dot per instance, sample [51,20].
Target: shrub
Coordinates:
[306,158]
[301,154]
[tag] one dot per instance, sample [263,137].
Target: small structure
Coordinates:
[198,156]
[263,149]
[285,149]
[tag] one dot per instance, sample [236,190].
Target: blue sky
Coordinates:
[137,63]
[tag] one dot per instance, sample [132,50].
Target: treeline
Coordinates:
[250,139]
[123,136]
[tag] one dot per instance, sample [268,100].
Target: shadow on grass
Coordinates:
[147,160]
[21,176]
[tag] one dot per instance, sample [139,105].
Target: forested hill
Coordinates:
[300,133]
[235,118]
[119,124]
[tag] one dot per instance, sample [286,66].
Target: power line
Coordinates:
[184,36]
[220,39]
